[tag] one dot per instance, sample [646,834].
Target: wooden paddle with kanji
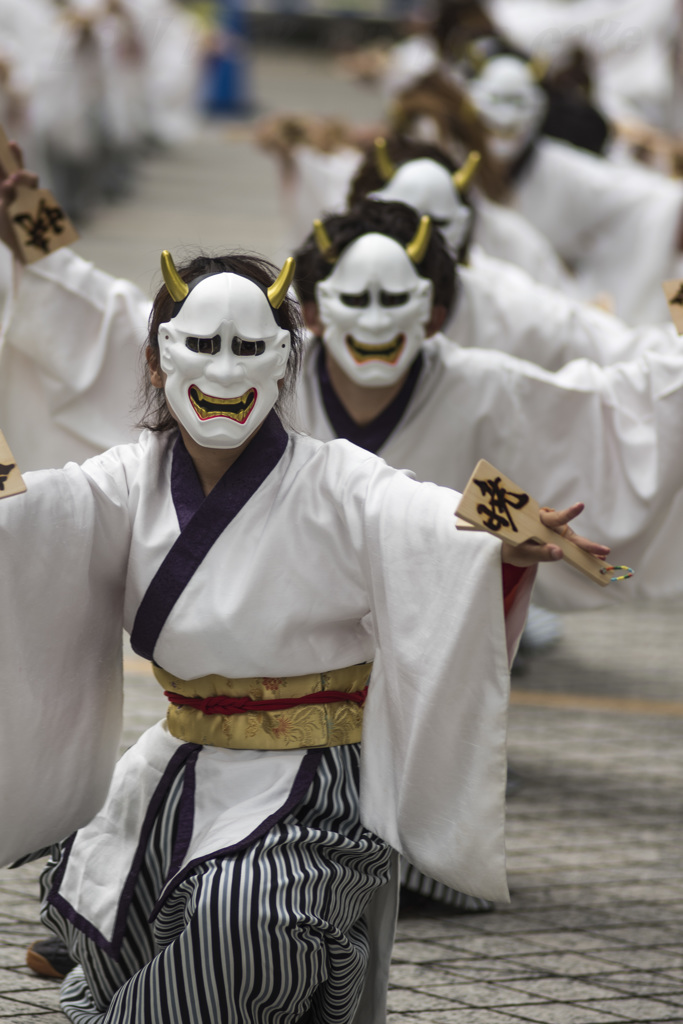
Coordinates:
[11,480]
[38,222]
[493,503]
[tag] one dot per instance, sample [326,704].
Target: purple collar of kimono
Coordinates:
[202,520]
[370,436]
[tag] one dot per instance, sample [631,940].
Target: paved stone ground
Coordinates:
[594,831]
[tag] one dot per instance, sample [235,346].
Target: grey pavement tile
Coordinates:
[12,956]
[504,922]
[437,929]
[43,998]
[480,993]
[409,1000]
[565,1013]
[470,1016]
[636,1009]
[569,964]
[565,989]
[664,913]
[569,940]
[11,1009]
[484,975]
[37,1018]
[485,969]
[493,945]
[642,935]
[644,959]
[418,976]
[14,980]
[422,952]
[641,982]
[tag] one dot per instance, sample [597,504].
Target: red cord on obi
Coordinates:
[244,705]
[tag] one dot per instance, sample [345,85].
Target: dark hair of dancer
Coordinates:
[395,220]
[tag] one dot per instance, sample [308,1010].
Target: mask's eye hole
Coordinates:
[393,298]
[206,346]
[248,348]
[359,299]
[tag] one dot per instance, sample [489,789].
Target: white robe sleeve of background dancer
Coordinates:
[506,235]
[70,361]
[320,184]
[500,307]
[608,436]
[617,225]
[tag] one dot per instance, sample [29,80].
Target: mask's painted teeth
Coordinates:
[388,353]
[207,407]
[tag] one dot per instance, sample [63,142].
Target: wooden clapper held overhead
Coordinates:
[39,223]
[493,503]
[11,480]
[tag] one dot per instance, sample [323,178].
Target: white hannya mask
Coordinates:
[511,104]
[374,308]
[428,187]
[223,355]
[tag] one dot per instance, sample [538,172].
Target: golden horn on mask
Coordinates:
[278,289]
[383,161]
[177,288]
[418,247]
[539,67]
[463,176]
[323,241]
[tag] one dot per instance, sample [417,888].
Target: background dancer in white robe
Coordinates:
[67,395]
[617,226]
[259,565]
[450,406]
[498,305]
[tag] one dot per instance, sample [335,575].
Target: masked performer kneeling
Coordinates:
[287,591]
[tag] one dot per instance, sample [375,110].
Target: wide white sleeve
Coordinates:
[506,235]
[501,307]
[434,764]
[63,552]
[70,361]
[608,436]
[617,225]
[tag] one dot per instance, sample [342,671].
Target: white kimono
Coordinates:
[331,559]
[617,226]
[609,436]
[502,233]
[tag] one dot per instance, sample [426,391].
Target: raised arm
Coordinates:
[501,307]
[72,338]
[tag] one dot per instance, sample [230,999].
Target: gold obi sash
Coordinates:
[282,719]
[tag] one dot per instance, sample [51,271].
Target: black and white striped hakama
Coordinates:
[270,934]
[414,882]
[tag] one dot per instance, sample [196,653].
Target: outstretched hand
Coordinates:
[8,193]
[531,553]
